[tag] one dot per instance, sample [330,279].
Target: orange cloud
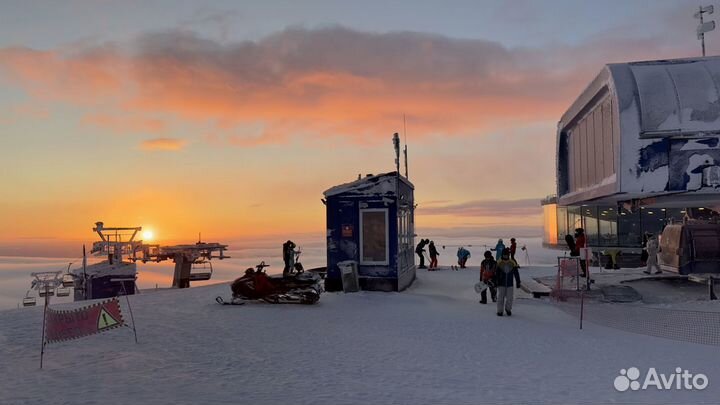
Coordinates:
[331,82]
[164,144]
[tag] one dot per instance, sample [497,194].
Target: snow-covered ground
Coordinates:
[431,344]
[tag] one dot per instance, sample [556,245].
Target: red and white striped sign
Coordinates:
[76,323]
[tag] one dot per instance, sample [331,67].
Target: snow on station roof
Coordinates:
[380,184]
[671,96]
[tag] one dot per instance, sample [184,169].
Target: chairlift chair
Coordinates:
[29,301]
[63,292]
[68,281]
[48,293]
[201,271]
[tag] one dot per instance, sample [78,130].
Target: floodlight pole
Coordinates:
[702,35]
[704,27]
[42,346]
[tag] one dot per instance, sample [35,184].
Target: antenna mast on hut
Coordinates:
[396,144]
[405,149]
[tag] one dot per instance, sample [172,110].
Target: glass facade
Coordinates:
[609,226]
[590,217]
[550,224]
[629,228]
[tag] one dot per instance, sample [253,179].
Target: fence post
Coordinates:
[577,273]
[582,307]
[711,288]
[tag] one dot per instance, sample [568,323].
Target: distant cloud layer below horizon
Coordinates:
[492,208]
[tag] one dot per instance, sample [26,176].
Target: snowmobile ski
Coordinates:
[221,301]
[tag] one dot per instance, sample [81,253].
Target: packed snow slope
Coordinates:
[431,344]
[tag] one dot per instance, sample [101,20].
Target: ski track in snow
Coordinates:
[431,344]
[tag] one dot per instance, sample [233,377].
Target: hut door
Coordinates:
[374,237]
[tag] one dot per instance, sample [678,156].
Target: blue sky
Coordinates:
[48,24]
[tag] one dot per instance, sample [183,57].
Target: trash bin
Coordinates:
[349,276]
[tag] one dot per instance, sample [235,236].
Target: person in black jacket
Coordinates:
[506,272]
[420,249]
[432,250]
[288,257]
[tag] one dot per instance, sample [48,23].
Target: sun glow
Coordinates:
[147,235]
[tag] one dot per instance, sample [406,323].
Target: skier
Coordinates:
[487,276]
[420,249]
[288,257]
[652,249]
[498,249]
[433,256]
[513,248]
[505,273]
[463,255]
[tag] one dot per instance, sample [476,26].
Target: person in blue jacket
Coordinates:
[463,255]
[507,278]
[498,249]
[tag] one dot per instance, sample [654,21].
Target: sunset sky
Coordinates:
[232,117]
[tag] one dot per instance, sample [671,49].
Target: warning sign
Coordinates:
[65,325]
[106,320]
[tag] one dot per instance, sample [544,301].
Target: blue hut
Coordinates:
[371,222]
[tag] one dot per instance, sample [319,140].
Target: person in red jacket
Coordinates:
[513,248]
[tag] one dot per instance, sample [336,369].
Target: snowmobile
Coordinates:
[298,287]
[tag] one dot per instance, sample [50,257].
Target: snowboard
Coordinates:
[570,242]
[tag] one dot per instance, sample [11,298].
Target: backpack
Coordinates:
[488,272]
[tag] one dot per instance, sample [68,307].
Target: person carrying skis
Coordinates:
[652,249]
[487,276]
[432,250]
[420,249]
[498,249]
[463,255]
[507,278]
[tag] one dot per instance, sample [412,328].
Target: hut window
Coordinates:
[374,236]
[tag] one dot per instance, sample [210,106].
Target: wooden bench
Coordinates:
[537,290]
